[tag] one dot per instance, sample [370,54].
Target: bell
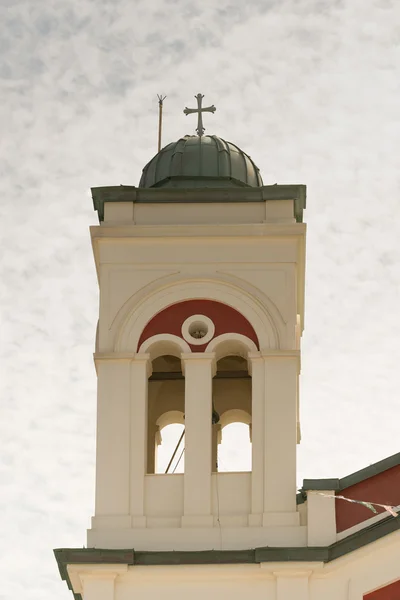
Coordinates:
[215,417]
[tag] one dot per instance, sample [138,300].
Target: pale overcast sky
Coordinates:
[311,90]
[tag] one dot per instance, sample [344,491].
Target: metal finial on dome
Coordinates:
[161,99]
[199,110]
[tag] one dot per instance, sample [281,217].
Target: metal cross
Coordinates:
[200,129]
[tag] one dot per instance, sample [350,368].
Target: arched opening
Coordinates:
[232,401]
[234,450]
[170,449]
[166,408]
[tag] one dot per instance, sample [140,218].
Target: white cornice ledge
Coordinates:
[102,356]
[280,353]
[209,230]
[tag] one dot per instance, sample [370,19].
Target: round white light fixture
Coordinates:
[198,330]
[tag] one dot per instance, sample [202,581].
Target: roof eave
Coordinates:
[240,193]
[326,554]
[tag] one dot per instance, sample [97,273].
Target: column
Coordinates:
[199,369]
[112,443]
[256,363]
[95,582]
[97,587]
[153,440]
[281,373]
[321,518]
[140,372]
[216,440]
[292,583]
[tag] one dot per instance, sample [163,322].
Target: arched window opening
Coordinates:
[166,407]
[231,441]
[234,451]
[170,453]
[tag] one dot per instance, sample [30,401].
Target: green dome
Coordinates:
[206,161]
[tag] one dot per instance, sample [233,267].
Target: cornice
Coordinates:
[127,193]
[304,555]
[189,231]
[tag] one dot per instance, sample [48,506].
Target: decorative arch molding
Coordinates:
[170,418]
[139,311]
[273,310]
[234,415]
[231,344]
[209,317]
[164,344]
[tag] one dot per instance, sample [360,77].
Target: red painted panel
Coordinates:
[389,592]
[225,318]
[383,488]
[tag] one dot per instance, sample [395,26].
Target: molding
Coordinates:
[99,357]
[118,356]
[232,344]
[292,569]
[79,573]
[311,485]
[200,357]
[161,376]
[168,418]
[293,573]
[128,328]
[127,193]
[280,353]
[167,234]
[164,343]
[234,415]
[197,521]
[92,559]
[193,319]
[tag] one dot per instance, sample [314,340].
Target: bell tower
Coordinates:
[201,275]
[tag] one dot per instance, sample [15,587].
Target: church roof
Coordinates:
[201,161]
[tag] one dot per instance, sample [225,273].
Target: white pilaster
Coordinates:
[216,436]
[281,373]
[292,583]
[98,588]
[95,582]
[321,518]
[140,372]
[257,371]
[112,451]
[199,369]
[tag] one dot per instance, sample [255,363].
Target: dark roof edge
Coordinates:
[197,178]
[341,484]
[81,556]
[320,484]
[372,533]
[127,193]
